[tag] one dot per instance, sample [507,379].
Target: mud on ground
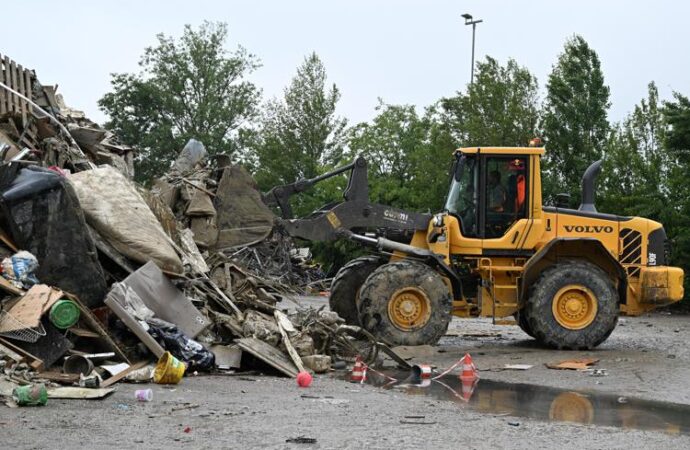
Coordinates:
[645,357]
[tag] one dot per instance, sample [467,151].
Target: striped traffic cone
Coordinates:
[359,371]
[469,370]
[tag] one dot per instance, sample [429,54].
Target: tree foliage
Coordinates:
[190,87]
[408,157]
[575,123]
[500,108]
[300,134]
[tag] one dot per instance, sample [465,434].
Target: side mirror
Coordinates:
[562,200]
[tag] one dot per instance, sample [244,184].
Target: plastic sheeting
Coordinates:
[115,209]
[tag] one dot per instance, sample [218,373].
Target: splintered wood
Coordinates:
[27,312]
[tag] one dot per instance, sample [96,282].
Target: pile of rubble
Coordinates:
[103,280]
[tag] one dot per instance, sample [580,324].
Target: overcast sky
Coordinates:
[411,52]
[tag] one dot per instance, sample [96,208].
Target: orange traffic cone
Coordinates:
[359,371]
[469,371]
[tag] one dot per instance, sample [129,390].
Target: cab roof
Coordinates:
[503,150]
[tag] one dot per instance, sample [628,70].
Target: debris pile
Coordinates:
[103,280]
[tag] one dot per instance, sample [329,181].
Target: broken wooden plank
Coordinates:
[120,375]
[79,393]
[8,352]
[280,319]
[35,363]
[59,377]
[9,287]
[268,354]
[6,239]
[134,326]
[91,320]
[27,312]
[81,332]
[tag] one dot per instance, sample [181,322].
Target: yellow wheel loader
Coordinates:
[494,251]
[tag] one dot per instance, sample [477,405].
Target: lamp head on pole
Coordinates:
[468,19]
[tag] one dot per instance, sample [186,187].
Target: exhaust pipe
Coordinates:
[588,190]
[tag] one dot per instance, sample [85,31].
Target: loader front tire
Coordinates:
[523,323]
[405,303]
[346,284]
[572,306]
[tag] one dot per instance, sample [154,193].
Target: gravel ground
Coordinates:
[645,357]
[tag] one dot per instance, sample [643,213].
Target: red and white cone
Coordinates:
[359,371]
[469,370]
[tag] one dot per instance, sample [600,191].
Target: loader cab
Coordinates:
[495,193]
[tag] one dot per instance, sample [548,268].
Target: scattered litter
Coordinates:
[301,440]
[184,407]
[596,372]
[518,366]
[143,395]
[30,395]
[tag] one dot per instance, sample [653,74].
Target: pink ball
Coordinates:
[304,379]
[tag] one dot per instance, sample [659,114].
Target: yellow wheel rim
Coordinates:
[571,407]
[409,309]
[574,307]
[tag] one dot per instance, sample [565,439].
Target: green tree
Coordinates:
[189,87]
[300,135]
[501,107]
[634,177]
[408,156]
[676,211]
[575,122]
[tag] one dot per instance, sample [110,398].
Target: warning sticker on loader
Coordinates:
[333,219]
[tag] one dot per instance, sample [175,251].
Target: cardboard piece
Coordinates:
[28,310]
[573,364]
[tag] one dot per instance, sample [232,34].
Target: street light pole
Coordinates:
[469,21]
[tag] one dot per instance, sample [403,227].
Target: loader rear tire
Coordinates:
[572,306]
[346,284]
[405,303]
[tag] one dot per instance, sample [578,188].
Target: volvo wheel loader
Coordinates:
[493,251]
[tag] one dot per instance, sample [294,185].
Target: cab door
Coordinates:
[507,221]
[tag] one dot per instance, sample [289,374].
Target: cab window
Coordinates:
[506,193]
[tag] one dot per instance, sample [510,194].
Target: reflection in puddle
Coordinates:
[546,403]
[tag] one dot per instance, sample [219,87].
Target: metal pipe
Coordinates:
[588,189]
[387,244]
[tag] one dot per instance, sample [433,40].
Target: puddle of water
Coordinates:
[545,403]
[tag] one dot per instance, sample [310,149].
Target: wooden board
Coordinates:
[9,287]
[88,318]
[268,354]
[35,362]
[27,312]
[79,392]
[115,378]
[281,319]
